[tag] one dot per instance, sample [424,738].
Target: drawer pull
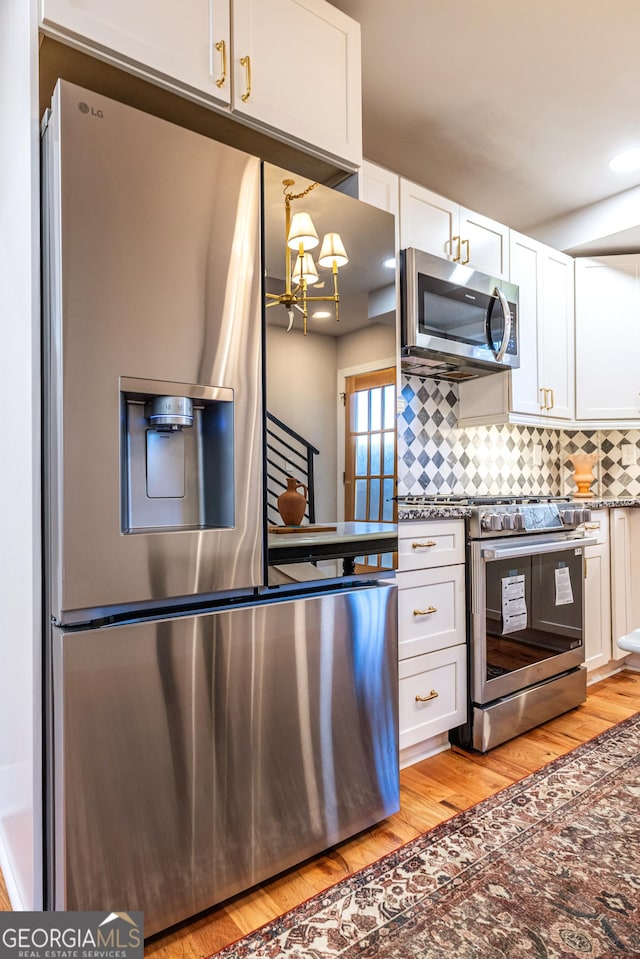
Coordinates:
[592,525]
[425,612]
[430,542]
[425,699]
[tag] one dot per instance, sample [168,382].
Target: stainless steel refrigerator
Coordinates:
[202,730]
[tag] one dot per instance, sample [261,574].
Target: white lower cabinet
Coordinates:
[625,570]
[431,610]
[597,591]
[431,635]
[433,693]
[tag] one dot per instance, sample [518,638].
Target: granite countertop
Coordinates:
[436,511]
[433,511]
[607,502]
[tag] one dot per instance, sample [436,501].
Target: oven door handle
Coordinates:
[529,548]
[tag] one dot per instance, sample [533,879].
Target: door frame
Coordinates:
[371,367]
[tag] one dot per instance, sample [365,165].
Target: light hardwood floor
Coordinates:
[431,791]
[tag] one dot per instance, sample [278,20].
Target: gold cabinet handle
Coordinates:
[553,400]
[246,63]
[430,542]
[464,262]
[456,239]
[548,398]
[425,612]
[221,47]
[425,699]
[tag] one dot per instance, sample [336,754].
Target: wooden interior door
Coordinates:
[370,455]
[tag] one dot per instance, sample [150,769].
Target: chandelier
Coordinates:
[300,270]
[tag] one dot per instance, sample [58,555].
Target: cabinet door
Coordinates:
[427,221]
[625,563]
[608,337]
[556,333]
[175,41]
[431,610]
[433,694]
[296,68]
[597,607]
[484,244]
[526,258]
[379,187]
[429,544]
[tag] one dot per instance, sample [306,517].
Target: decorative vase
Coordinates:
[291,504]
[583,477]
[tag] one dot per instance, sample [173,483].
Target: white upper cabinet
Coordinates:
[379,187]
[527,395]
[433,223]
[608,338]
[556,335]
[300,60]
[542,388]
[176,41]
[290,67]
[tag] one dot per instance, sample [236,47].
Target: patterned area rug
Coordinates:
[549,867]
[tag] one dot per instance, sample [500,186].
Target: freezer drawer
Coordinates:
[195,756]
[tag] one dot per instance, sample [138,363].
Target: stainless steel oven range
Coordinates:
[525,579]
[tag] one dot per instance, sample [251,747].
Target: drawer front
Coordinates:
[431,610]
[598,525]
[433,694]
[427,544]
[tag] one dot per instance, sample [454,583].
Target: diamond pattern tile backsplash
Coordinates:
[435,455]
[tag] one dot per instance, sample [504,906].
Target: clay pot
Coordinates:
[583,477]
[291,504]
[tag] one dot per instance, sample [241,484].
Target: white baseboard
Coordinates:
[429,747]
[612,667]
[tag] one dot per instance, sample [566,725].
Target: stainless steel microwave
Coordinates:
[457,323]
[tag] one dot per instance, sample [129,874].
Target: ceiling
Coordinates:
[512,109]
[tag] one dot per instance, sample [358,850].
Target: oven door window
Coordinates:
[455,313]
[533,611]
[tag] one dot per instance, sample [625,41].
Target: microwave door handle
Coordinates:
[507,324]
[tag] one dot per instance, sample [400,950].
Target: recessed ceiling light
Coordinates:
[321,314]
[391,262]
[626,161]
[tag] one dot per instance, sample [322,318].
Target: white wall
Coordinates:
[20,759]
[301,391]
[376,342]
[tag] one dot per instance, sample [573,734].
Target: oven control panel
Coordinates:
[526,518]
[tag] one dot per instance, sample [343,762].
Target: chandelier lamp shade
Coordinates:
[301,237]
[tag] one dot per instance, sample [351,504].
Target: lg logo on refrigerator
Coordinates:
[85,108]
